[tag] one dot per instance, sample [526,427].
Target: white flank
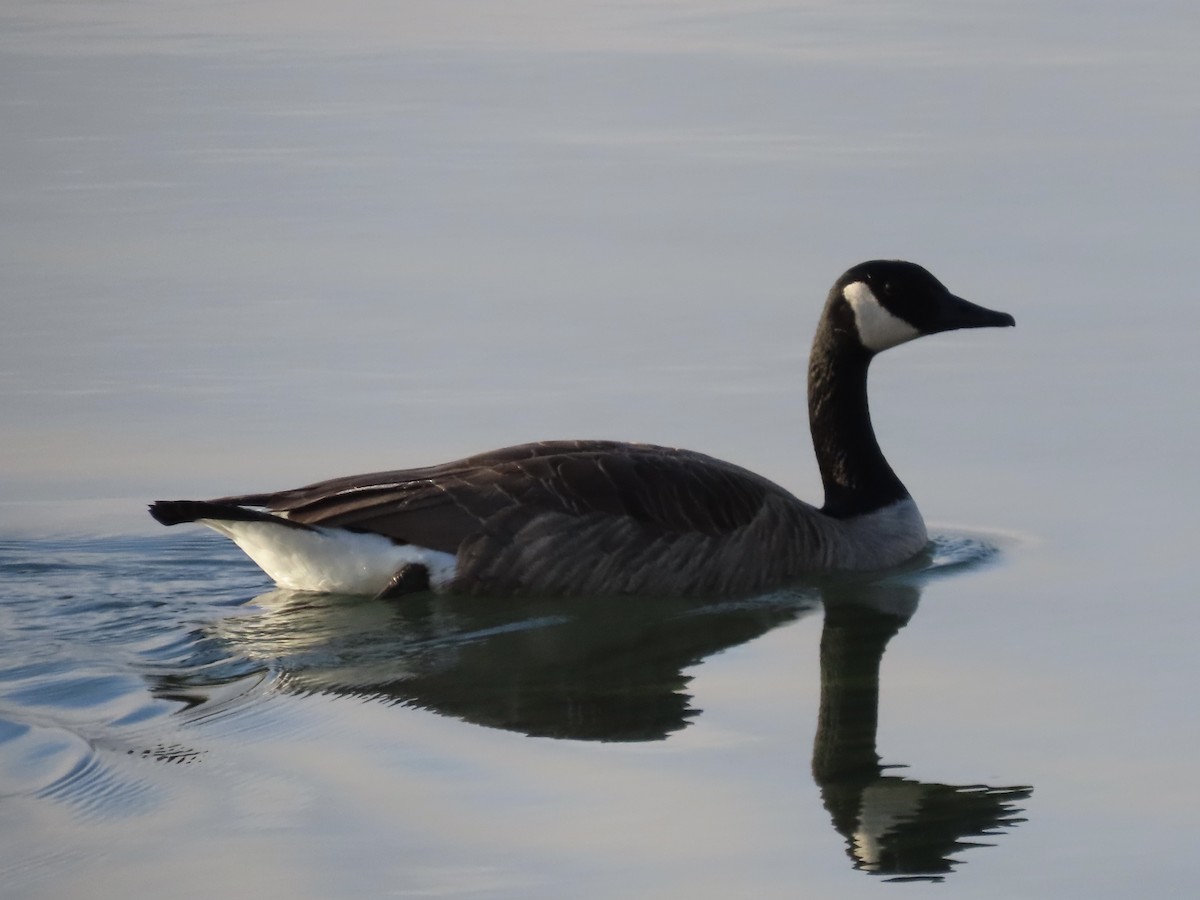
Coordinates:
[878,329]
[331,560]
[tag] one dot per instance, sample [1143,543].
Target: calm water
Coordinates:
[247,248]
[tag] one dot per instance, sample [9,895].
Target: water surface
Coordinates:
[251,247]
[153,685]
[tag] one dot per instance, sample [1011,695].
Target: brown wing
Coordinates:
[657,491]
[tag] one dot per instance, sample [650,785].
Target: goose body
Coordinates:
[604,517]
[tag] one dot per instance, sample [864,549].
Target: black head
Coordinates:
[893,301]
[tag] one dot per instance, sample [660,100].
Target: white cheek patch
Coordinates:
[878,329]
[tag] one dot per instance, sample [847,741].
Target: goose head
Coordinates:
[885,302]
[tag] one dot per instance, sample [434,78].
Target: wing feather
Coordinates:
[657,487]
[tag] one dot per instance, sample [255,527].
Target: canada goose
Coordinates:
[604,517]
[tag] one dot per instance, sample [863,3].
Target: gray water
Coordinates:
[246,247]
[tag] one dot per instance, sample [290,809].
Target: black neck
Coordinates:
[857,478]
[852,643]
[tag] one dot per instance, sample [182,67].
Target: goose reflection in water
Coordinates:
[613,670]
[897,827]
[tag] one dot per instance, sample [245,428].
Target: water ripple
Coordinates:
[92,631]
[95,789]
[949,551]
[32,757]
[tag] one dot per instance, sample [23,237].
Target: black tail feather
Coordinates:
[176,512]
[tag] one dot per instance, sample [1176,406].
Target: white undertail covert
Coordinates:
[331,560]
